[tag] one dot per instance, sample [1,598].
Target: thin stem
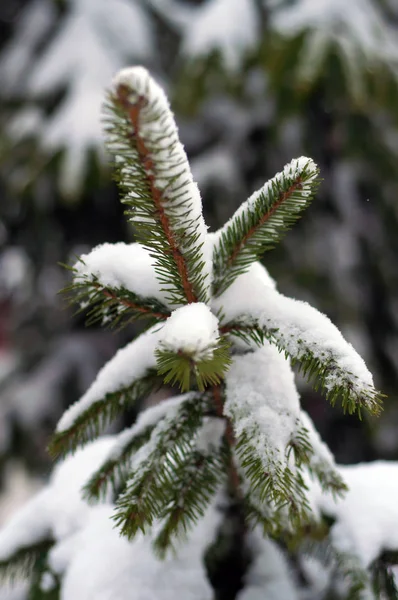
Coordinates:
[139,308]
[233,473]
[133,111]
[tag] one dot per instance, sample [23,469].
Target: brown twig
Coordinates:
[233,473]
[143,309]
[133,110]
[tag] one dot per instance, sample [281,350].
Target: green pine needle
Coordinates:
[260,223]
[315,369]
[161,226]
[179,368]
[383,579]
[112,307]
[152,479]
[115,471]
[194,487]
[100,414]
[21,564]
[279,486]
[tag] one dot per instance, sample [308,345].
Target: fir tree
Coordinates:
[236,436]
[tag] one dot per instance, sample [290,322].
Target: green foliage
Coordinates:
[316,57]
[161,216]
[114,307]
[181,368]
[316,369]
[115,471]
[22,563]
[279,486]
[348,572]
[383,580]
[100,414]
[163,475]
[330,479]
[41,570]
[259,224]
[195,485]
[150,489]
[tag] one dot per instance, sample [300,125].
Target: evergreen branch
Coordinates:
[115,471]
[329,479]
[300,445]
[153,471]
[356,577]
[113,306]
[257,515]
[163,202]
[262,220]
[383,579]
[323,371]
[346,566]
[194,487]
[89,424]
[316,456]
[21,564]
[280,486]
[117,466]
[179,367]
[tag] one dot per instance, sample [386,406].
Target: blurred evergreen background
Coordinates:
[254,84]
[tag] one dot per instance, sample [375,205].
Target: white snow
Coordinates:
[14,591]
[94,560]
[255,277]
[238,34]
[31,524]
[268,576]
[209,436]
[322,459]
[367,517]
[191,329]
[121,265]
[107,41]
[180,195]
[263,403]
[103,565]
[32,24]
[357,29]
[47,582]
[146,419]
[360,20]
[58,510]
[129,364]
[297,327]
[292,170]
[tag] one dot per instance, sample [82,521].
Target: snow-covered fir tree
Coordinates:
[232,462]
[296,77]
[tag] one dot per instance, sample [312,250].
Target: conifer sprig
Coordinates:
[262,220]
[167,468]
[323,372]
[184,369]
[194,488]
[162,200]
[279,485]
[113,307]
[21,564]
[116,469]
[150,487]
[191,350]
[91,422]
